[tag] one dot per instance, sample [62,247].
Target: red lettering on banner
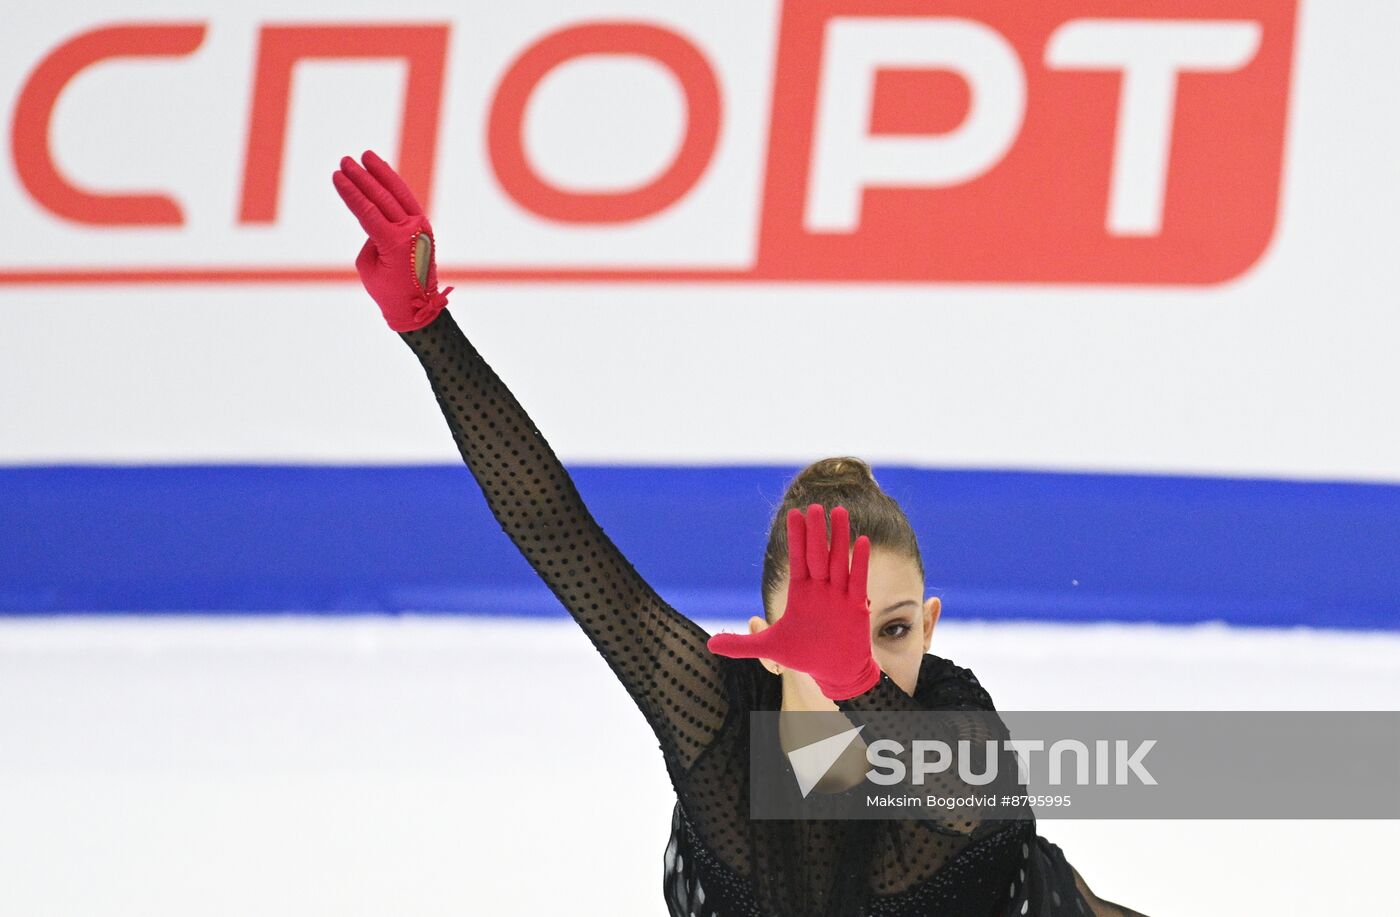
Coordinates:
[918,102]
[1104,141]
[29,138]
[507,123]
[424,47]
[1080,141]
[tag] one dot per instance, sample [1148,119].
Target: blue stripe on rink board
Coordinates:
[997,545]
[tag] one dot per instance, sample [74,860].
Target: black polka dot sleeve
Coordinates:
[657,653]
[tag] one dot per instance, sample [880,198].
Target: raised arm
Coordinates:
[657,653]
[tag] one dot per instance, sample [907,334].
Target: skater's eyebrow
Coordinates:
[898,605]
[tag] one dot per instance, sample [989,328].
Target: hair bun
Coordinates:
[841,471]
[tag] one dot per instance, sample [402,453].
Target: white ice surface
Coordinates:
[369,766]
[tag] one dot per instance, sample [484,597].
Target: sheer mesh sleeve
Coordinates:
[1099,907]
[657,653]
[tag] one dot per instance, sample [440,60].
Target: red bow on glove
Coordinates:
[825,628]
[396,265]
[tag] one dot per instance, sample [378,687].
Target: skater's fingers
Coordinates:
[372,189]
[860,570]
[392,182]
[818,556]
[797,546]
[371,219]
[742,646]
[839,571]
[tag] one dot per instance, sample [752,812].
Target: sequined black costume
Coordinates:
[719,862]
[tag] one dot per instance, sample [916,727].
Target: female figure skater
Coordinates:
[837,635]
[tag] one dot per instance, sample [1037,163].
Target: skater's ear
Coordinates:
[758,625]
[932,609]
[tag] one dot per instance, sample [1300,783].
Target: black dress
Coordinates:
[719,862]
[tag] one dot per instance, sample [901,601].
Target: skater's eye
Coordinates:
[895,630]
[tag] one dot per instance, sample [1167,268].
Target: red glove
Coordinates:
[825,628]
[396,264]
